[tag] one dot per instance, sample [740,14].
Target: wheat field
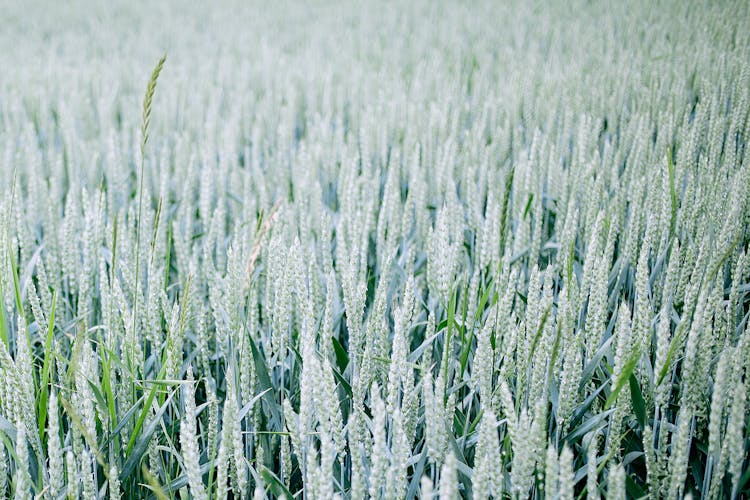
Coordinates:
[374,250]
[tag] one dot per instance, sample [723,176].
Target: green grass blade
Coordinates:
[46,368]
[623,378]
[144,412]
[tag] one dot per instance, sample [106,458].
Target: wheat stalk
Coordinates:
[145,121]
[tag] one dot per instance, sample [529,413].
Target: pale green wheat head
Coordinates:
[148,97]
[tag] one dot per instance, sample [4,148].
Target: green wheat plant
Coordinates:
[431,250]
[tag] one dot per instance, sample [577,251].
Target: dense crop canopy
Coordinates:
[398,250]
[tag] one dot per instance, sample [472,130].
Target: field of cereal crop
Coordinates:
[374,250]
